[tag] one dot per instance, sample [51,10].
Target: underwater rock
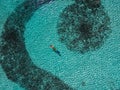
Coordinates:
[90,3]
[83,27]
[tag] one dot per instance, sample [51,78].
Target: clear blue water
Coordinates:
[6,7]
[100,70]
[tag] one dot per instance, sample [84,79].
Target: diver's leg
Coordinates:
[58,53]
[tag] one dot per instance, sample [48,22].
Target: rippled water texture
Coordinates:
[85,32]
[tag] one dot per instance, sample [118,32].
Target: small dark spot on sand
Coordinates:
[83,83]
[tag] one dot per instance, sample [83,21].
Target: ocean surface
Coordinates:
[99,70]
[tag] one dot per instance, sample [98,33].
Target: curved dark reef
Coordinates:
[15,59]
[84,26]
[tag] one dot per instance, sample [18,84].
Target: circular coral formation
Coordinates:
[82,28]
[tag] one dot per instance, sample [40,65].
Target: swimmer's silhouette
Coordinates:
[55,50]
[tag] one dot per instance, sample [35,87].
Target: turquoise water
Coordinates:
[6,7]
[100,70]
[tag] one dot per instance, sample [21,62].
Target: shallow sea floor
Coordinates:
[98,70]
[6,7]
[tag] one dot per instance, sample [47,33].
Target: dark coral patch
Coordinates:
[83,29]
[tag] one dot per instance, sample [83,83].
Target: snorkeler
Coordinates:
[55,50]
